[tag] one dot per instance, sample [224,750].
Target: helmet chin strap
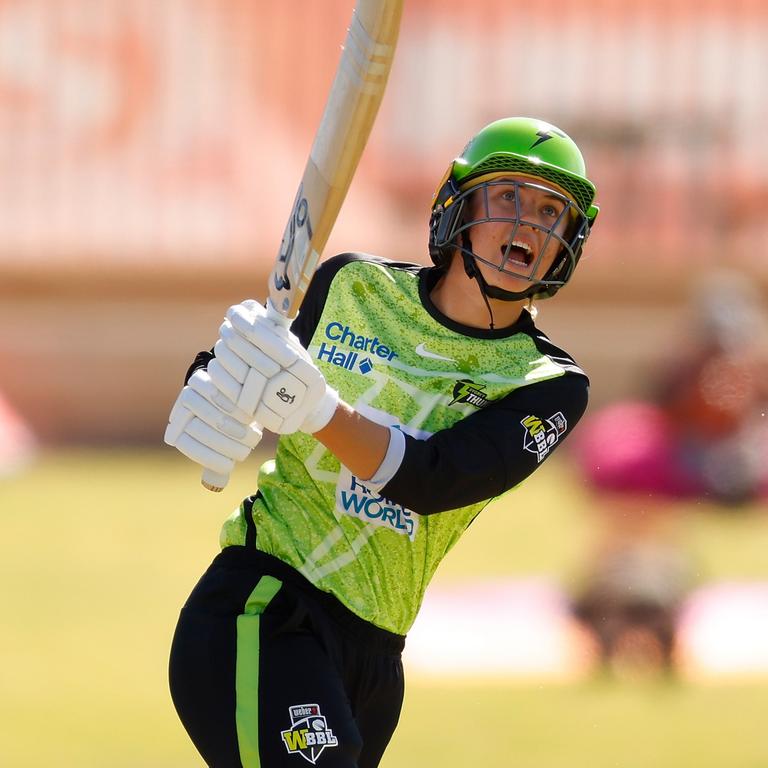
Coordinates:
[487,290]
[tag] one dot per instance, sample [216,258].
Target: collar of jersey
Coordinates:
[428,278]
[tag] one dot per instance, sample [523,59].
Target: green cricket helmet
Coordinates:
[539,156]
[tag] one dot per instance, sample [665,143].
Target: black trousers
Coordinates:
[267,671]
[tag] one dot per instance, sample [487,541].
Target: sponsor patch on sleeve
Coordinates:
[541,436]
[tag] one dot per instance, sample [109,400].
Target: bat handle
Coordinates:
[213,481]
[277,317]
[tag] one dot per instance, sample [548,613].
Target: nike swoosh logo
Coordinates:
[422,351]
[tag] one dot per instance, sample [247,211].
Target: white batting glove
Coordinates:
[263,370]
[209,429]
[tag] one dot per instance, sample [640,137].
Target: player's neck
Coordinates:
[460,299]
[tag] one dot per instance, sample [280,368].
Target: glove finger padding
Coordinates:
[210,414]
[232,363]
[179,417]
[248,434]
[246,351]
[274,340]
[216,441]
[203,455]
[271,420]
[224,381]
[254,307]
[202,383]
[253,388]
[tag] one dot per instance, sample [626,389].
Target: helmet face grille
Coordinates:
[582,193]
[451,223]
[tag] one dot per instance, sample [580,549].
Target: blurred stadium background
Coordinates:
[150,151]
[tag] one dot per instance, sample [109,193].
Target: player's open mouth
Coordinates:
[519,253]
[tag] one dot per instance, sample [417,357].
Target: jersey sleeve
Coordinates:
[490,451]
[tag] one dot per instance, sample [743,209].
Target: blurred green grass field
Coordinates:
[100,548]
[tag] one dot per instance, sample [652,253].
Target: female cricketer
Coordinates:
[406,398]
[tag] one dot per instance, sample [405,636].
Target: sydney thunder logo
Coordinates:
[466,391]
[309,734]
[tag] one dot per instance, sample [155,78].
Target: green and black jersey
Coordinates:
[479,409]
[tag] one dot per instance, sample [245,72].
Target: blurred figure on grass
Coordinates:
[702,437]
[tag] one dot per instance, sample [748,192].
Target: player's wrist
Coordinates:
[391,462]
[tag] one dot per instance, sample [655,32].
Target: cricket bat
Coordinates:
[349,114]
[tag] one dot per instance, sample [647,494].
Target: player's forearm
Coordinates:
[359,443]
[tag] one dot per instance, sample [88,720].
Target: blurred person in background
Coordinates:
[703,436]
[18,444]
[289,647]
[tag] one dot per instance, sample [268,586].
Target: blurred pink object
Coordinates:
[631,447]
[17,443]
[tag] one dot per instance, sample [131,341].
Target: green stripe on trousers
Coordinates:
[247,670]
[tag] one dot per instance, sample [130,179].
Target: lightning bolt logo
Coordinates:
[466,391]
[460,391]
[546,136]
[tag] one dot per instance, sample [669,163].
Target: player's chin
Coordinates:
[515,282]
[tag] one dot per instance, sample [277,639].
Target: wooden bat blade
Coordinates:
[349,114]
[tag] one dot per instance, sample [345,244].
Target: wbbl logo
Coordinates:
[541,436]
[309,734]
